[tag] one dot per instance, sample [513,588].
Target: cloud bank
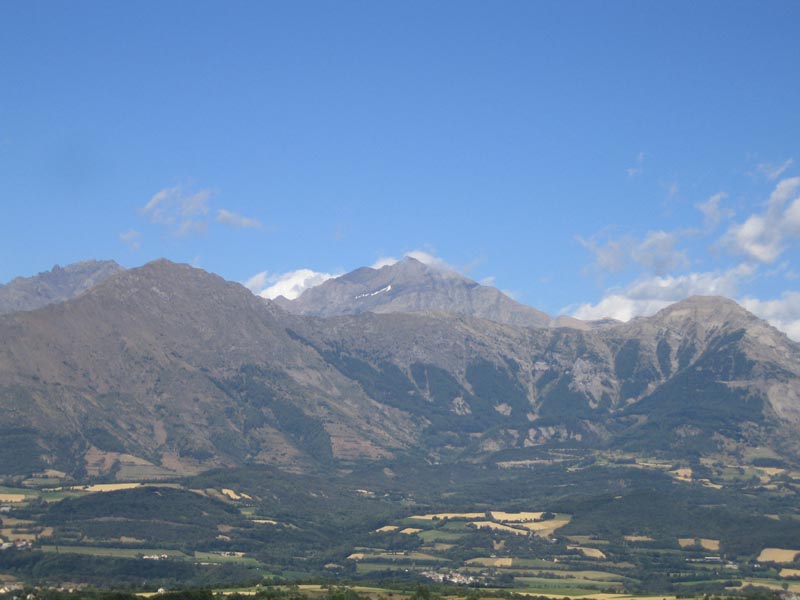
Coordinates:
[289,285]
[759,239]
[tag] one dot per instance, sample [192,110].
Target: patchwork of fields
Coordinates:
[601,545]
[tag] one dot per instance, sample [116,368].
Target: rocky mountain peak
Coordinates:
[411,286]
[57,285]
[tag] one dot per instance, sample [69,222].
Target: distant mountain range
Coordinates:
[410,286]
[57,285]
[176,370]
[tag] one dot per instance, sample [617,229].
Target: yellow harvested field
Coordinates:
[465,516]
[54,473]
[590,552]
[498,527]
[683,474]
[410,530]
[778,555]
[638,538]
[356,556]
[687,542]
[546,528]
[14,522]
[12,497]
[771,471]
[231,494]
[789,573]
[491,562]
[108,487]
[387,528]
[13,536]
[709,484]
[708,544]
[439,547]
[515,517]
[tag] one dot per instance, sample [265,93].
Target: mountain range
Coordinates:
[171,370]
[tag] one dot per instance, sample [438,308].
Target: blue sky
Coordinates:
[588,157]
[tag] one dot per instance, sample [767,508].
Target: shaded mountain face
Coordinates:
[170,369]
[701,377]
[181,370]
[56,285]
[411,286]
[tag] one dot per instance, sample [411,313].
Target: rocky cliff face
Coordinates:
[183,370]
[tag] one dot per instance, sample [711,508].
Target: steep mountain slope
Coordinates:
[411,286]
[175,370]
[56,285]
[180,368]
[700,377]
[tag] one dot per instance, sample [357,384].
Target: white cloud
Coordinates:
[773,171]
[647,295]
[783,312]
[179,209]
[429,259]
[289,285]
[764,236]
[257,282]
[712,210]
[611,255]
[227,217]
[658,254]
[131,239]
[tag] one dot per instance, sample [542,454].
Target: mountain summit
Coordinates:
[57,285]
[410,286]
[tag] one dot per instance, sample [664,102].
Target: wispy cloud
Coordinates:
[182,211]
[610,255]
[638,168]
[227,217]
[712,210]
[673,189]
[426,258]
[774,171]
[765,236]
[131,239]
[657,252]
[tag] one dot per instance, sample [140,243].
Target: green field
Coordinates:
[115,552]
[217,558]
